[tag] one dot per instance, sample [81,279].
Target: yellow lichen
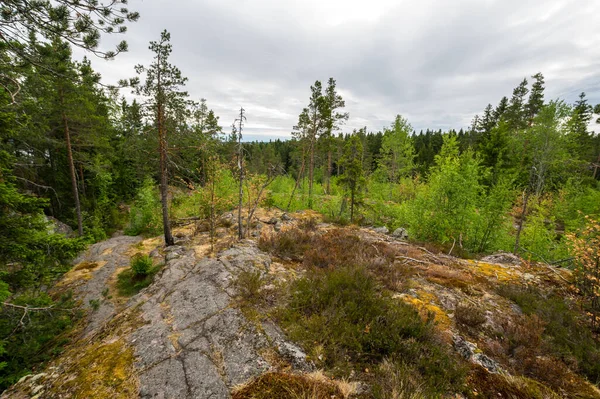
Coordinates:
[81,271]
[425,305]
[146,246]
[501,273]
[104,370]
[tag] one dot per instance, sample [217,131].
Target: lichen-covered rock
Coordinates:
[400,233]
[470,352]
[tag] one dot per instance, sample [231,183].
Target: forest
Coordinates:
[140,156]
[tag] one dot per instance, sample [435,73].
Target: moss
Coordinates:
[281,385]
[104,370]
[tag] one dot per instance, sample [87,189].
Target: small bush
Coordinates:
[144,216]
[140,265]
[249,284]
[286,244]
[469,315]
[139,275]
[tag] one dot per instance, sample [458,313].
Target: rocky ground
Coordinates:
[186,335]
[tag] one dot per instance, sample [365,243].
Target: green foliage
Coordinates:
[446,208]
[39,338]
[347,321]
[140,265]
[138,276]
[144,216]
[353,179]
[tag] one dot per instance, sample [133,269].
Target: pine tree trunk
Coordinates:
[72,168]
[164,186]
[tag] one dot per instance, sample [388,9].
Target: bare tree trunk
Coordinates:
[596,166]
[352,206]
[521,221]
[311,167]
[71,167]
[241,167]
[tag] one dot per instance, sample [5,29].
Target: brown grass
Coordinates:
[292,386]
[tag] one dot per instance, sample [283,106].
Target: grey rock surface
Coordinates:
[469,351]
[195,343]
[381,230]
[400,233]
[111,251]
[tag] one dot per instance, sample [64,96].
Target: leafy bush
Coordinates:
[145,214]
[140,265]
[585,247]
[139,275]
[351,325]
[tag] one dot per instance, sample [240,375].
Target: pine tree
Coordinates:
[581,116]
[81,23]
[500,109]
[312,122]
[162,88]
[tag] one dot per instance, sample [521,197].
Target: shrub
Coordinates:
[290,243]
[280,385]
[144,217]
[249,284]
[469,315]
[344,314]
[140,265]
[585,247]
[139,275]
[564,333]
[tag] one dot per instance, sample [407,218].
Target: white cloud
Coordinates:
[436,62]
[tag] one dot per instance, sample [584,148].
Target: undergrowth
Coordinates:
[560,332]
[350,325]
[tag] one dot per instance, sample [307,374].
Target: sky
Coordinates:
[436,62]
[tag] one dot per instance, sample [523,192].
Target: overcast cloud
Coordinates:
[437,62]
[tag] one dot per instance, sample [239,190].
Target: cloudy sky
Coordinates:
[437,62]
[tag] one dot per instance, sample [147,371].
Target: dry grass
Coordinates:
[293,386]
